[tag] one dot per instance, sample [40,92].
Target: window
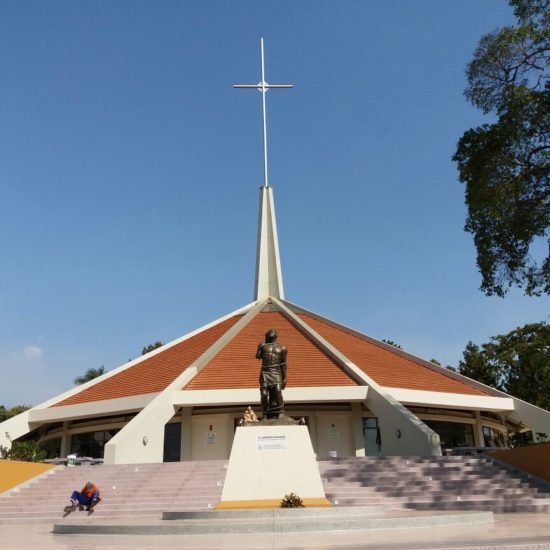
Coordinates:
[452,434]
[492,437]
[52,447]
[489,414]
[91,443]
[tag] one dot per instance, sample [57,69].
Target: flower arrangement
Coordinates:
[292,501]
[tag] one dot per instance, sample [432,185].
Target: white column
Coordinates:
[185,453]
[64,451]
[478,431]
[357,427]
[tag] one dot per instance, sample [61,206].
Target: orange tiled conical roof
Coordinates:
[236,366]
[155,373]
[386,367]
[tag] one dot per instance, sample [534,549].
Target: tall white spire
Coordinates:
[269,278]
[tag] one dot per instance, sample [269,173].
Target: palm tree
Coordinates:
[90,375]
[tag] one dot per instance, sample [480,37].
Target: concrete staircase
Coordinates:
[431,483]
[136,490]
[396,483]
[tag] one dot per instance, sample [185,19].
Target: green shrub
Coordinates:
[292,501]
[27,451]
[523,439]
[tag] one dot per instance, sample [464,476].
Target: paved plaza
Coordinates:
[517,531]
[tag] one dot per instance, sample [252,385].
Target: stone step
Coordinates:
[135,482]
[147,480]
[167,501]
[497,507]
[140,473]
[109,497]
[487,505]
[148,509]
[124,511]
[406,468]
[274,525]
[116,485]
[407,477]
[276,512]
[61,492]
[402,480]
[436,487]
[141,483]
[427,499]
[29,500]
[429,485]
[402,475]
[438,494]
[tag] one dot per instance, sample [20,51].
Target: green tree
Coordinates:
[523,357]
[506,164]
[151,347]
[90,374]
[517,363]
[14,411]
[392,343]
[476,364]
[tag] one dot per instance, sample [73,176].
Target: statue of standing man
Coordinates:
[272,375]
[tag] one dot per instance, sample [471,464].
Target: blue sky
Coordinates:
[130,168]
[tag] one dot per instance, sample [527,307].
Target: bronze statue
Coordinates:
[272,375]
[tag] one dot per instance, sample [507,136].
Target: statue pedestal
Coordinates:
[269,462]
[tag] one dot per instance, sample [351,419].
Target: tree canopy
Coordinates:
[14,411]
[392,343]
[506,164]
[151,347]
[90,374]
[517,363]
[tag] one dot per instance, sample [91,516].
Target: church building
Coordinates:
[357,395]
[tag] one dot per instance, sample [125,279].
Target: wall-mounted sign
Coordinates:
[210,438]
[271,443]
[333,434]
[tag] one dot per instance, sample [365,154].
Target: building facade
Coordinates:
[357,395]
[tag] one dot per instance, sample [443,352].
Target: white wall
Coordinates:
[402,432]
[529,415]
[215,443]
[127,446]
[334,433]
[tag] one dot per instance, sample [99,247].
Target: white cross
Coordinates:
[263,86]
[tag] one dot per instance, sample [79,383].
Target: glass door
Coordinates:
[371,436]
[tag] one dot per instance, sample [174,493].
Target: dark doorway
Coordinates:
[172,442]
